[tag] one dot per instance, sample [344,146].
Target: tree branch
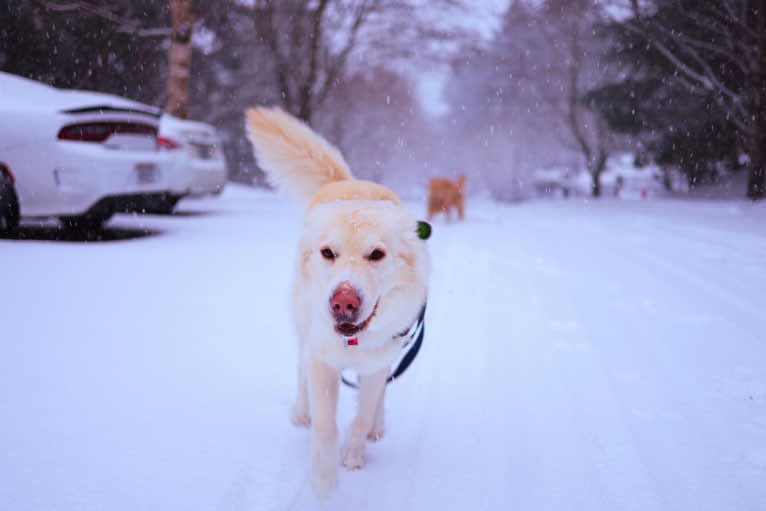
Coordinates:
[124,25]
[305,108]
[270,34]
[705,75]
[339,63]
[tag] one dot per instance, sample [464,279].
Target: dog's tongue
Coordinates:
[347,329]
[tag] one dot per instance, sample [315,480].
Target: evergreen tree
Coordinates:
[695,87]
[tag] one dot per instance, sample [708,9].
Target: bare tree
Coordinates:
[717,49]
[559,63]
[306,61]
[589,131]
[376,120]
[311,42]
[520,100]
[180,58]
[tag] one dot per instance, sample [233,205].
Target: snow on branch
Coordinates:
[723,32]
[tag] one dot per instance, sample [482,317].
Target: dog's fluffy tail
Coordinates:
[295,158]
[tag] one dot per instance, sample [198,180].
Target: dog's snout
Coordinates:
[345,303]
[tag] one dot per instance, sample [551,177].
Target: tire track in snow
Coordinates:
[663,388]
[743,273]
[587,452]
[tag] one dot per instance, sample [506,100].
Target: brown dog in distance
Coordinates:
[444,195]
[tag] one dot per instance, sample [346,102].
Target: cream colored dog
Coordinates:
[361,281]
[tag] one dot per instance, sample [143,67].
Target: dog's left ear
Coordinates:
[424,230]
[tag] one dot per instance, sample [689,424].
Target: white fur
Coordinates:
[295,158]
[302,163]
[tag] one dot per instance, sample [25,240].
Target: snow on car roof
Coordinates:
[25,93]
[12,87]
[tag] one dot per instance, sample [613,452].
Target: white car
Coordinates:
[198,167]
[79,156]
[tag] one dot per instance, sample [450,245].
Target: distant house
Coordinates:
[622,178]
[553,181]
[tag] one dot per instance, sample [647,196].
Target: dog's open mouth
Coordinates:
[350,329]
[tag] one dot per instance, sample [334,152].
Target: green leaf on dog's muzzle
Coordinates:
[424,230]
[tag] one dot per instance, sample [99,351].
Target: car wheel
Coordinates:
[164,205]
[9,206]
[85,223]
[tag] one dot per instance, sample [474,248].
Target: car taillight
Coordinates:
[100,131]
[167,143]
[5,169]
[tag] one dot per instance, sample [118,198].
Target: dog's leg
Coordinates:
[378,425]
[300,413]
[323,395]
[370,394]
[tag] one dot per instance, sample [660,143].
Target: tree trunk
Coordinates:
[756,182]
[595,187]
[667,182]
[180,58]
[305,112]
[596,169]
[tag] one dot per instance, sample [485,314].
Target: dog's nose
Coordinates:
[345,303]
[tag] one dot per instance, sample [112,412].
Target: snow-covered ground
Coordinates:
[591,356]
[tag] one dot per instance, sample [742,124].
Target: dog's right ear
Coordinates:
[423,230]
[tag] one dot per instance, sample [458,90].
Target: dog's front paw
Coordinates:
[324,462]
[323,482]
[353,455]
[375,435]
[299,417]
[376,432]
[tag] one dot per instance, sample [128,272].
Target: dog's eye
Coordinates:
[376,255]
[328,254]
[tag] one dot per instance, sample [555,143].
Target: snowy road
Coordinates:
[577,356]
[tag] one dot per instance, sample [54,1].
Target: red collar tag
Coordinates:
[351,341]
